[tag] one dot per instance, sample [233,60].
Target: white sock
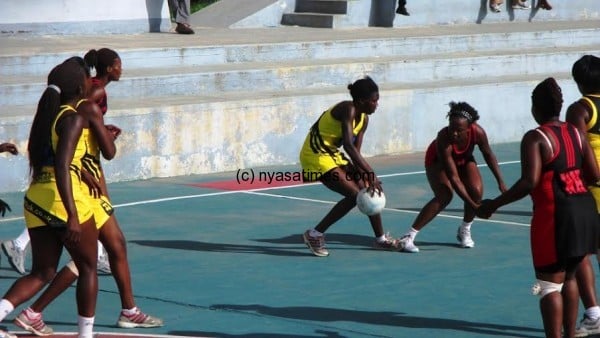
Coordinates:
[6,307]
[31,314]
[130,312]
[22,241]
[86,326]
[100,249]
[412,233]
[593,313]
[381,238]
[315,233]
[466,225]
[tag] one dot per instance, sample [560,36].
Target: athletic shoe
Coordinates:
[495,8]
[402,10]
[315,244]
[407,244]
[587,327]
[388,243]
[138,319]
[4,334]
[16,256]
[520,5]
[33,325]
[464,238]
[103,263]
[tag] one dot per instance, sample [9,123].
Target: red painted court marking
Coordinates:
[233,185]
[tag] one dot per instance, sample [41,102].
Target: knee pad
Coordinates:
[547,288]
[71,265]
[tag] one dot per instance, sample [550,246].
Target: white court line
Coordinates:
[388,209]
[258,190]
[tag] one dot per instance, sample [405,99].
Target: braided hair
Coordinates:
[547,98]
[464,110]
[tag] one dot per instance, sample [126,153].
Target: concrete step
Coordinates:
[227,99]
[322,6]
[37,56]
[315,20]
[288,75]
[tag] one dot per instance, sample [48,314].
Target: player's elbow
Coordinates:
[110,154]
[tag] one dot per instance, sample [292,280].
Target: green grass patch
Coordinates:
[197,5]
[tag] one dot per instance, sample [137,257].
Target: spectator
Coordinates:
[182,15]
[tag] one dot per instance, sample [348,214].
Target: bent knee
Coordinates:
[44,275]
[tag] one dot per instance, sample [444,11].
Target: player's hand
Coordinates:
[375,187]
[94,187]
[8,147]
[486,209]
[502,187]
[114,130]
[3,208]
[72,234]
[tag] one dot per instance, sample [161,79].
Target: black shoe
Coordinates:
[402,10]
[183,29]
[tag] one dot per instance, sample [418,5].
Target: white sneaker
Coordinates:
[103,263]
[5,334]
[587,327]
[464,238]
[407,244]
[16,256]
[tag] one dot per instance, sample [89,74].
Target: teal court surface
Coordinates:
[215,257]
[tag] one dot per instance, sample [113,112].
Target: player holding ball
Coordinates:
[343,126]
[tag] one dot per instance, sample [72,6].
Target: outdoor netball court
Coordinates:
[219,256]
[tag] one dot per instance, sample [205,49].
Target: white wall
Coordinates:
[84,16]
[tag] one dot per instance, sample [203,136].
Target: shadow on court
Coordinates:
[460,211]
[321,334]
[224,247]
[398,319]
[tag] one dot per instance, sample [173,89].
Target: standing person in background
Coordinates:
[181,8]
[56,206]
[584,115]
[450,166]
[11,148]
[343,125]
[556,164]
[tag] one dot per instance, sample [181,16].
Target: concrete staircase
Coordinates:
[315,13]
[226,99]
